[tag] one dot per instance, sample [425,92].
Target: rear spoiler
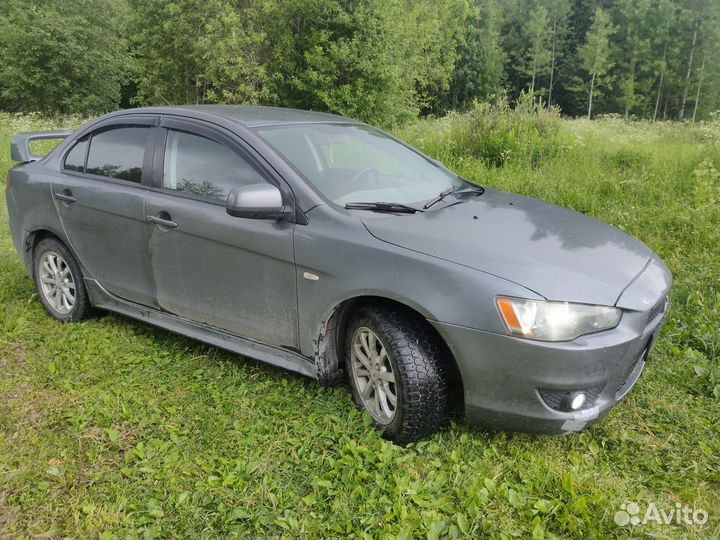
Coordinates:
[20,145]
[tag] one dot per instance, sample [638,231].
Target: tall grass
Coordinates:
[494,133]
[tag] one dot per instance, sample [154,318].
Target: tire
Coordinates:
[54,267]
[417,359]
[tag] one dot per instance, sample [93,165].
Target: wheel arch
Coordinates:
[329,345]
[34,237]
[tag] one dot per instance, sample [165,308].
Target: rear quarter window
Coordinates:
[75,159]
[118,152]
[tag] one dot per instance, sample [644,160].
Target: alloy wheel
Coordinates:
[57,282]
[373,375]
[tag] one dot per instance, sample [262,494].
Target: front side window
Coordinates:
[203,167]
[75,159]
[118,152]
[355,163]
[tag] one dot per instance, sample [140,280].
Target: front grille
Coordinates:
[554,398]
[657,310]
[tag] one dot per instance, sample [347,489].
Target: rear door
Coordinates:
[231,273]
[99,194]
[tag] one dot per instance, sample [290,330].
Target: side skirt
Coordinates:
[276,356]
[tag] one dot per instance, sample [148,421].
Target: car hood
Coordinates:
[555,252]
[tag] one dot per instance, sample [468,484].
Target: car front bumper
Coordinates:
[513,384]
[505,378]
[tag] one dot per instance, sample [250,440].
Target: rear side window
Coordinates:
[75,159]
[118,152]
[201,166]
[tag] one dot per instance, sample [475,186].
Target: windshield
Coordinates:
[355,163]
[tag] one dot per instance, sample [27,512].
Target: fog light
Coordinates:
[570,400]
[577,400]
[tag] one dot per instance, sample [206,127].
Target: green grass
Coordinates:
[112,428]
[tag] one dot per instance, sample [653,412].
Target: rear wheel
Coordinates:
[396,371]
[60,282]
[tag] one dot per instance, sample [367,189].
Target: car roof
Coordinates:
[251,116]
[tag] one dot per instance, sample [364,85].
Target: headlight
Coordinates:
[554,321]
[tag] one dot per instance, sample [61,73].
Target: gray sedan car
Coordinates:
[330,248]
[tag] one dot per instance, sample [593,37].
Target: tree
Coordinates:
[537,33]
[480,66]
[595,52]
[559,13]
[702,19]
[436,37]
[375,60]
[632,48]
[61,57]
[197,51]
[699,86]
[688,79]
[231,52]
[661,41]
[382,61]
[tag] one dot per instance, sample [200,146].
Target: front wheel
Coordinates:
[396,371]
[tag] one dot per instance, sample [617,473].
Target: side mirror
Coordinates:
[256,201]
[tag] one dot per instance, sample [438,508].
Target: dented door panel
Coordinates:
[231,273]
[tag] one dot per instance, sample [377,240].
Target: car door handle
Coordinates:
[65,197]
[162,222]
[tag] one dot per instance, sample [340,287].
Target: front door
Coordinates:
[99,196]
[231,273]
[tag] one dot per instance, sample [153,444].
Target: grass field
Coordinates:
[112,428]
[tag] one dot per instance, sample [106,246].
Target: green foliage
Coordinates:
[375,60]
[595,52]
[634,44]
[497,134]
[537,32]
[61,57]
[365,59]
[115,429]
[197,51]
[383,61]
[480,68]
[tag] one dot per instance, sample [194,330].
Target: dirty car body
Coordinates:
[547,316]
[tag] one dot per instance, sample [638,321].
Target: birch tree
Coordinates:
[559,14]
[688,76]
[633,50]
[595,52]
[537,33]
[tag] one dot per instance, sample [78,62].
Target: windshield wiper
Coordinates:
[467,189]
[382,207]
[478,190]
[439,197]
